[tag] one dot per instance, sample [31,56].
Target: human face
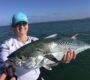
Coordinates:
[21,28]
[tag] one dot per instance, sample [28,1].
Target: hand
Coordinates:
[8,68]
[5,66]
[70,55]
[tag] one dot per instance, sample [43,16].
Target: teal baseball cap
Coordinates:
[18,17]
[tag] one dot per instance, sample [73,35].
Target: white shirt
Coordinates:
[10,46]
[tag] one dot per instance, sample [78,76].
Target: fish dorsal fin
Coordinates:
[74,37]
[51,36]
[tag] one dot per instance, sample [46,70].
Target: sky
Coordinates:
[44,10]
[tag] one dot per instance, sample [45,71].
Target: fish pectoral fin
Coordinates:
[47,67]
[46,63]
[54,64]
[52,58]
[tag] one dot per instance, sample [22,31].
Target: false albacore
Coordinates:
[46,52]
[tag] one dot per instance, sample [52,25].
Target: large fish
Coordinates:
[46,52]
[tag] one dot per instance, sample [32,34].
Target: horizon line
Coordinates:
[51,21]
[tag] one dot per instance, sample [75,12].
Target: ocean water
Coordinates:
[78,69]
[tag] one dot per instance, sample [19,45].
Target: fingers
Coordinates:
[3,76]
[67,57]
[74,55]
[70,55]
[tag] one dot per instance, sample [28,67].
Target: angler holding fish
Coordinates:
[29,53]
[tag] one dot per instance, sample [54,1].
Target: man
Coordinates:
[20,27]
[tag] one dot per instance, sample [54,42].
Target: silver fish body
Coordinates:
[46,52]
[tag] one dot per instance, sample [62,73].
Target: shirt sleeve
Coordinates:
[4,52]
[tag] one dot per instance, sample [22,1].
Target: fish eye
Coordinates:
[20,57]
